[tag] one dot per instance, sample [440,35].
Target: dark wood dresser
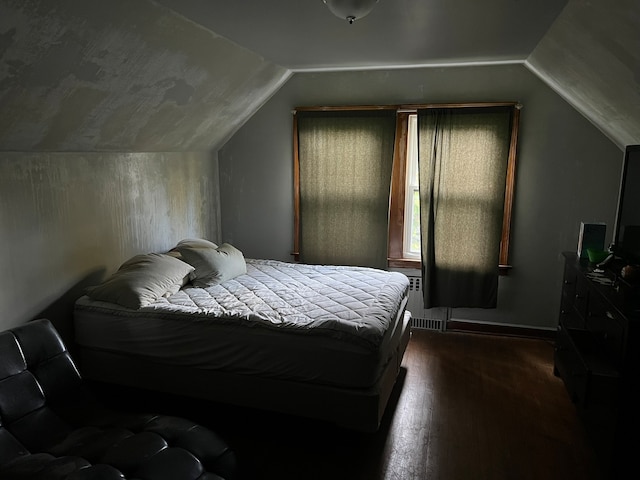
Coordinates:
[597,356]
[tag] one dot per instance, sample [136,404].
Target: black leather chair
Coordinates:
[53,428]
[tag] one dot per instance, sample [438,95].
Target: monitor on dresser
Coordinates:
[626,238]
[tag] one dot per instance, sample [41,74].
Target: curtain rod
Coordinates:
[405,107]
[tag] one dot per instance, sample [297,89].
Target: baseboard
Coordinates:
[495,329]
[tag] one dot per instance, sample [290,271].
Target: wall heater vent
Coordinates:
[425,318]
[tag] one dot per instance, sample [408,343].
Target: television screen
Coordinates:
[627,230]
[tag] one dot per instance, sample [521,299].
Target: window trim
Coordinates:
[397,194]
[397,198]
[510,182]
[296,191]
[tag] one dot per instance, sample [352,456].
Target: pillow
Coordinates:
[142,279]
[191,243]
[213,265]
[196,243]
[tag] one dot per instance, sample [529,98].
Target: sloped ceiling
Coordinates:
[121,75]
[591,56]
[183,75]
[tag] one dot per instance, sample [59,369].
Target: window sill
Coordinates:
[503,270]
[404,263]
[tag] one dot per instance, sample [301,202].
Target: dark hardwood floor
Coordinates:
[466,407]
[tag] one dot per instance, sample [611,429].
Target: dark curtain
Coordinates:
[345,176]
[463,154]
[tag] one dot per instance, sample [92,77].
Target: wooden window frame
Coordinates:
[398,178]
[397,196]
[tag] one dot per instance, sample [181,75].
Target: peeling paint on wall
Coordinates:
[124,75]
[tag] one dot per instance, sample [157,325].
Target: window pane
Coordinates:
[412,152]
[415,224]
[411,242]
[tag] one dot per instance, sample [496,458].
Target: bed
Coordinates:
[318,341]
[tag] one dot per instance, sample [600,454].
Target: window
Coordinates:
[404,213]
[403,203]
[344,169]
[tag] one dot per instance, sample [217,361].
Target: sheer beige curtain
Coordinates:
[463,155]
[345,161]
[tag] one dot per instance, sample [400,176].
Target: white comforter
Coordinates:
[352,303]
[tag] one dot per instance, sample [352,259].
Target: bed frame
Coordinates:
[358,409]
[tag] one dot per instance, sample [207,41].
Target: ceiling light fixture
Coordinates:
[350,10]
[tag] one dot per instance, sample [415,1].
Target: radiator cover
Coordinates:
[424,318]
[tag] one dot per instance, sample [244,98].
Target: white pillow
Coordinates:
[196,243]
[191,243]
[213,265]
[142,279]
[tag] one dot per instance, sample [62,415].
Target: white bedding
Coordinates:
[328,324]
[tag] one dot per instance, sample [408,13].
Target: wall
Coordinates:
[567,172]
[69,219]
[106,78]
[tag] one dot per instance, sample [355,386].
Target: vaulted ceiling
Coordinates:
[179,75]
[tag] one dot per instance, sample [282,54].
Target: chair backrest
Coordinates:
[36,375]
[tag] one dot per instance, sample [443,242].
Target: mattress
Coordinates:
[333,325]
